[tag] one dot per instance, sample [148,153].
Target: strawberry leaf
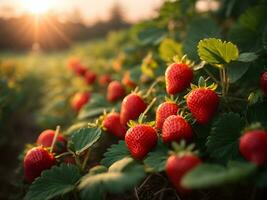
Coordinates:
[235,70]
[213,175]
[156,159]
[222,143]
[215,51]
[257,113]
[83,139]
[168,48]
[114,153]
[57,181]
[123,175]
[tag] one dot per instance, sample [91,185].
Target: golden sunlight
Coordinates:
[37,7]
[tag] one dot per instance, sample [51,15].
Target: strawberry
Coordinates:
[37,160]
[132,106]
[264,83]
[127,81]
[203,103]
[112,125]
[178,77]
[104,80]
[115,91]
[75,65]
[253,146]
[177,166]
[140,139]
[79,100]
[45,139]
[176,128]
[89,77]
[165,110]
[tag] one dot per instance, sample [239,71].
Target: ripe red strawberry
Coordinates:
[45,139]
[177,166]
[79,100]
[113,125]
[132,106]
[176,128]
[253,146]
[115,91]
[264,83]
[140,139]
[36,160]
[178,77]
[104,80]
[203,103]
[75,65]
[89,77]
[165,110]
[127,81]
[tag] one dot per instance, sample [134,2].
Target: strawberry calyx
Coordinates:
[182,149]
[253,127]
[184,60]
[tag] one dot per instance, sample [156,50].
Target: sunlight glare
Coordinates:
[37,7]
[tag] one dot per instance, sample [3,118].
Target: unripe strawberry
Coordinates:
[178,166]
[165,110]
[178,77]
[104,79]
[127,81]
[140,139]
[89,77]
[176,128]
[112,124]
[45,139]
[79,100]
[253,146]
[264,83]
[132,106]
[37,160]
[115,91]
[203,103]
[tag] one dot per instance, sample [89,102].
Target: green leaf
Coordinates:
[84,138]
[247,57]
[197,30]
[57,181]
[215,51]
[95,107]
[114,153]
[235,70]
[156,159]
[123,175]
[152,35]
[222,143]
[168,48]
[213,175]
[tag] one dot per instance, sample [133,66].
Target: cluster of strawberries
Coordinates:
[171,125]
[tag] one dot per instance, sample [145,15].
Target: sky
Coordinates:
[91,10]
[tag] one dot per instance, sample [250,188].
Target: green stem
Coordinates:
[212,76]
[140,120]
[159,79]
[85,159]
[55,139]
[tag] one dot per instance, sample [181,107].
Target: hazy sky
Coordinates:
[90,9]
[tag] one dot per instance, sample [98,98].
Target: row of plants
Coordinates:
[180,112]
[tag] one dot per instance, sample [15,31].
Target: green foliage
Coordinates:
[83,139]
[257,113]
[215,51]
[157,158]
[57,181]
[213,175]
[152,36]
[197,30]
[114,153]
[222,144]
[169,48]
[123,175]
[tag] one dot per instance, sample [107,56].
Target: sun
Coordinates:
[37,6]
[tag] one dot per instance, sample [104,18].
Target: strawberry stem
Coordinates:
[85,159]
[142,116]
[55,139]
[159,79]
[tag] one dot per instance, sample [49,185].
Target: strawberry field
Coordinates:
[174,107]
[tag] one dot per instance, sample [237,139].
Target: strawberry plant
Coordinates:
[180,113]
